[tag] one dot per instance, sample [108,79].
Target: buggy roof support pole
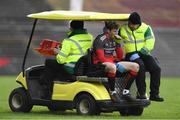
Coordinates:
[27,49]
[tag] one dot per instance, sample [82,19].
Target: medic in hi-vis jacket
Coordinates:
[138,40]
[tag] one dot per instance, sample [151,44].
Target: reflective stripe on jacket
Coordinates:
[137,39]
[74,47]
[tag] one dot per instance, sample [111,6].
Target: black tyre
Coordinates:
[86,105]
[20,101]
[54,108]
[124,112]
[137,111]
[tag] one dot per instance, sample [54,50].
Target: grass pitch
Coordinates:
[169,109]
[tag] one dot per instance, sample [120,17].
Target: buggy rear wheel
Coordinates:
[86,105]
[137,111]
[19,100]
[124,112]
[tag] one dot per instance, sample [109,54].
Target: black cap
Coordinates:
[134,18]
[77,24]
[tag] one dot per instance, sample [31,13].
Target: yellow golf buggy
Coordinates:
[86,92]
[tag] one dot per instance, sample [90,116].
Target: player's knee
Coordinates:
[135,67]
[110,67]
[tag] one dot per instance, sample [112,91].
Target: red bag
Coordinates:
[47,46]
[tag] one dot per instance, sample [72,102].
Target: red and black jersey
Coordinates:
[106,49]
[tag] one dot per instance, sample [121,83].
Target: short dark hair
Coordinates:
[74,24]
[134,18]
[111,25]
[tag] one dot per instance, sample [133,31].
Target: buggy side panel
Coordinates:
[68,91]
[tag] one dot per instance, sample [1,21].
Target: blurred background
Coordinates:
[15,28]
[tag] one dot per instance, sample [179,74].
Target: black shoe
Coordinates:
[141,97]
[128,98]
[114,96]
[156,98]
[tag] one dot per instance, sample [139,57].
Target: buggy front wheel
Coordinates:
[19,100]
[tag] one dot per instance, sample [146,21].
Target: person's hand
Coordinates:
[56,50]
[118,37]
[144,51]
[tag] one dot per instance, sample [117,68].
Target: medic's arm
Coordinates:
[150,39]
[64,52]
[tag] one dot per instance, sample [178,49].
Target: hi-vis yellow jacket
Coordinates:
[74,47]
[142,37]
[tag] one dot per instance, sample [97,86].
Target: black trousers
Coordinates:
[52,70]
[150,64]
